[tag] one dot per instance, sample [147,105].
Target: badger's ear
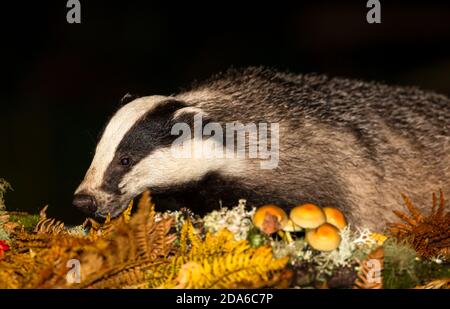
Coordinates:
[188,111]
[186,114]
[127,98]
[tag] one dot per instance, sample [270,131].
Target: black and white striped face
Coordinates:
[134,154]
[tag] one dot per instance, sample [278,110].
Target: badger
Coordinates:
[345,143]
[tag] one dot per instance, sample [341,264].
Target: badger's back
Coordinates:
[347,143]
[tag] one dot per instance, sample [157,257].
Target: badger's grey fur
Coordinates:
[346,143]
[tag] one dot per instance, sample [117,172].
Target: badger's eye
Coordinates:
[125,161]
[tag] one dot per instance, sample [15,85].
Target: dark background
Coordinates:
[62,81]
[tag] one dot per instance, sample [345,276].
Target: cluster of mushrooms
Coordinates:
[322,225]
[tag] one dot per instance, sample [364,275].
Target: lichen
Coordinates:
[77,230]
[296,250]
[181,249]
[354,245]
[237,220]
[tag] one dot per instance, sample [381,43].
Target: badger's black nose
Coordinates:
[85,203]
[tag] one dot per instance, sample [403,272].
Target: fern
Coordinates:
[218,261]
[116,254]
[429,234]
[369,277]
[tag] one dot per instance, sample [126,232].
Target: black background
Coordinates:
[294,298]
[62,81]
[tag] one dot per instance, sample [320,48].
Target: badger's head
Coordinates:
[134,154]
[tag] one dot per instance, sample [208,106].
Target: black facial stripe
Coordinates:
[150,132]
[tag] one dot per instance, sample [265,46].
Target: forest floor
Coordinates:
[226,248]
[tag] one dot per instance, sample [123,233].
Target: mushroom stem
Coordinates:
[289,237]
[286,236]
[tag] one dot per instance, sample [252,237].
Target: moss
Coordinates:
[3,218]
[3,234]
[399,265]
[432,270]
[403,269]
[4,186]
[26,220]
[256,238]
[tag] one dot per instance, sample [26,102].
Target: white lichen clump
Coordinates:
[78,231]
[237,220]
[344,255]
[296,250]
[176,215]
[353,245]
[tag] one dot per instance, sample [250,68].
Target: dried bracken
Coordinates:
[118,258]
[436,284]
[370,271]
[48,225]
[221,250]
[428,235]
[134,245]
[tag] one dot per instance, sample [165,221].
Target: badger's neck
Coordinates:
[209,193]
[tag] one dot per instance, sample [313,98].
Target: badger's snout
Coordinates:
[86,203]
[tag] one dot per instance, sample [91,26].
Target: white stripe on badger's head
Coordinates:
[141,132]
[122,121]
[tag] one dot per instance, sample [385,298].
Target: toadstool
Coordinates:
[335,217]
[308,216]
[270,218]
[324,238]
[289,227]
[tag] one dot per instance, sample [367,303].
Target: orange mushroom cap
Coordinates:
[324,238]
[307,216]
[270,218]
[335,217]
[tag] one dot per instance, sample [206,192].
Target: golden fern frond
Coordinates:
[127,213]
[217,245]
[213,245]
[184,236]
[229,270]
[218,261]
